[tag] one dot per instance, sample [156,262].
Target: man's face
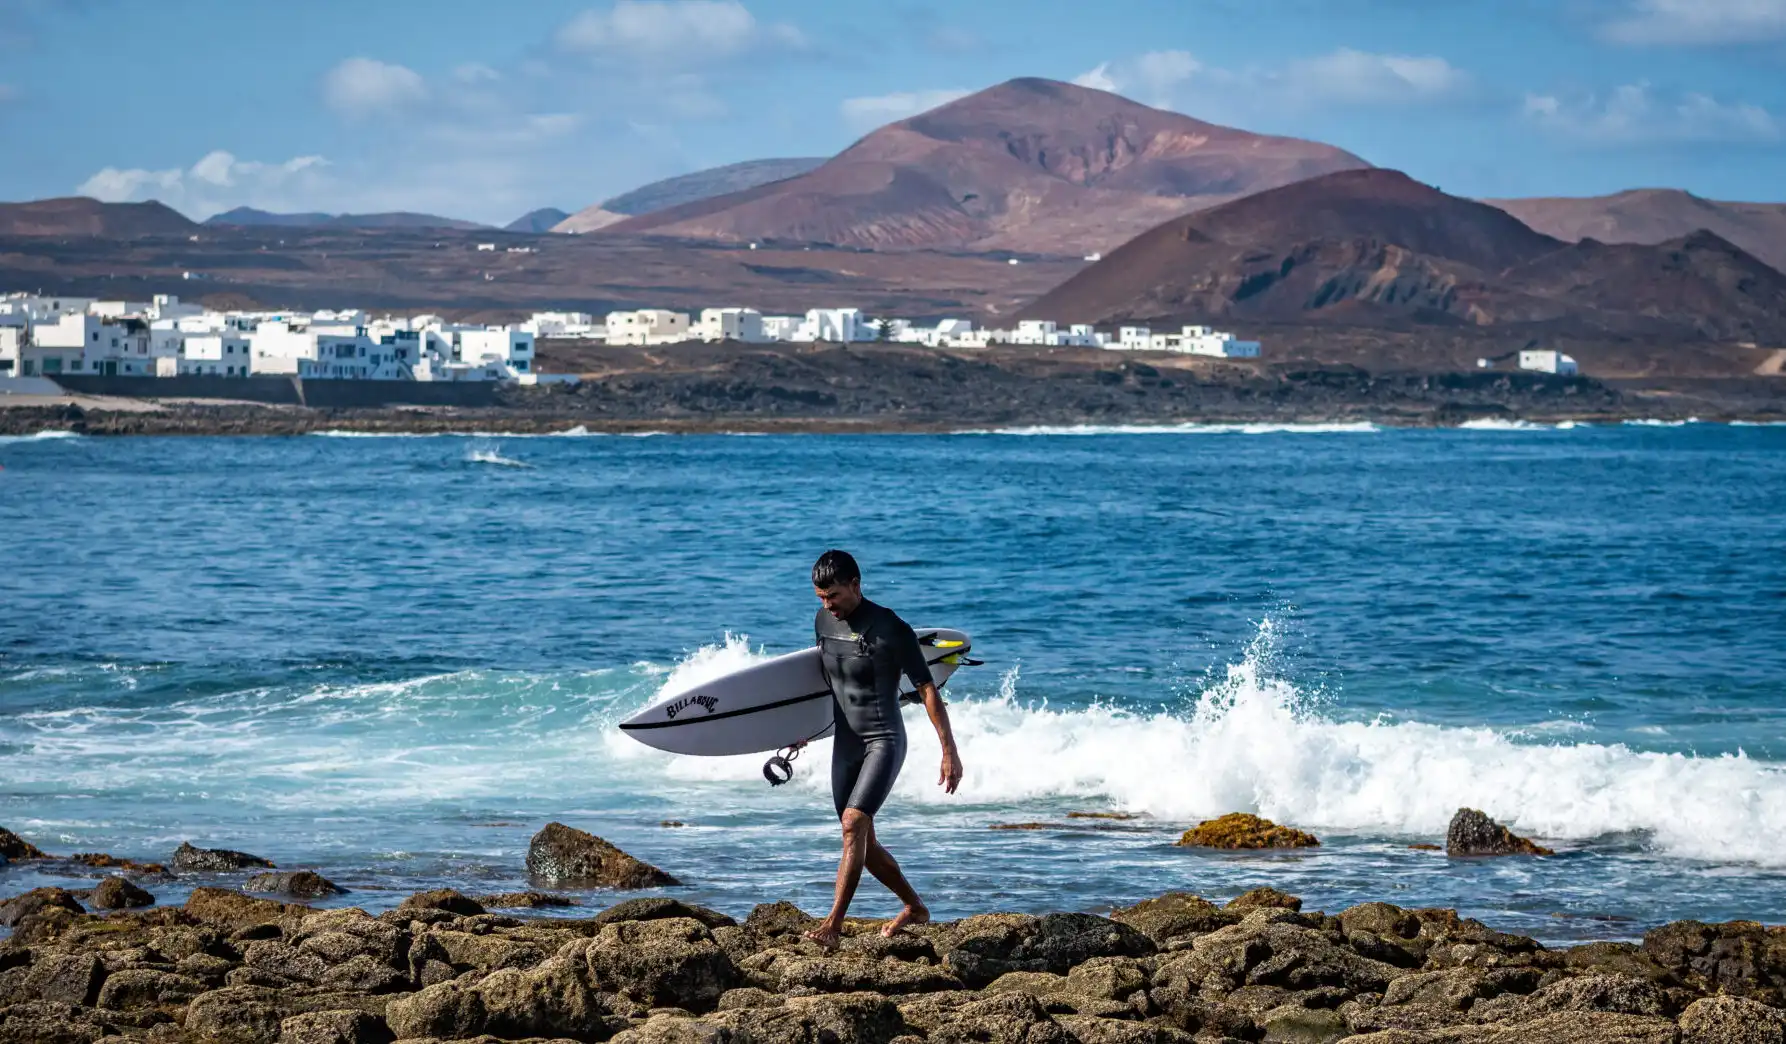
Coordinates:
[840,600]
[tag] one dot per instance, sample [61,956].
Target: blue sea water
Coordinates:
[395,658]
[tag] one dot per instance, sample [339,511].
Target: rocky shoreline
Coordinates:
[867,390]
[227,967]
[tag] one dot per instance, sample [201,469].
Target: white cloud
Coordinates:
[1698,22]
[870,112]
[693,31]
[218,181]
[475,72]
[361,86]
[1178,80]
[1634,115]
[1356,76]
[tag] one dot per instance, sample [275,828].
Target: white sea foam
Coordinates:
[1248,740]
[1251,742]
[41,436]
[1651,422]
[579,431]
[493,456]
[1498,424]
[1359,427]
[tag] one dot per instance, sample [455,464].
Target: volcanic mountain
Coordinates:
[81,216]
[1375,247]
[540,220]
[1655,216]
[1029,165]
[248,217]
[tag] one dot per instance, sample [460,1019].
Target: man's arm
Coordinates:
[950,776]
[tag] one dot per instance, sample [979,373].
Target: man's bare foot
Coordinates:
[826,934]
[917,914]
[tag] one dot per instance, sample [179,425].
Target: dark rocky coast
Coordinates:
[227,967]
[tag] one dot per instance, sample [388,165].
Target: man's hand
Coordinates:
[950,777]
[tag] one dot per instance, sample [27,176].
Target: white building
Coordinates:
[1201,340]
[833,326]
[1548,361]
[12,341]
[38,308]
[217,355]
[564,324]
[780,327]
[494,344]
[1133,338]
[730,324]
[647,326]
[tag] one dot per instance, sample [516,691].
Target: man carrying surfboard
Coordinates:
[865,648]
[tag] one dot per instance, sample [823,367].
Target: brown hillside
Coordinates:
[80,216]
[1031,165]
[1377,248]
[1654,216]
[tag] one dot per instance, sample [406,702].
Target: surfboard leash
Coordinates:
[779,769]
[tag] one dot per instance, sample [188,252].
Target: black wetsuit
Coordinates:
[864,657]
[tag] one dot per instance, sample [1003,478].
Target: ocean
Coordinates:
[393,659]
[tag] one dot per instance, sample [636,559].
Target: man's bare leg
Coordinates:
[858,828]
[886,870]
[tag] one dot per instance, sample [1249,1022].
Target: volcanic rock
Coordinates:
[656,907]
[1651,216]
[36,901]
[298,884]
[67,978]
[1244,830]
[333,1027]
[524,901]
[1264,899]
[445,899]
[1732,1020]
[12,846]
[186,857]
[81,216]
[562,853]
[672,962]
[117,893]
[222,906]
[105,861]
[1175,915]
[1474,834]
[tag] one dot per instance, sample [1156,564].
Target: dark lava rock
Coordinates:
[1264,899]
[1474,834]
[37,900]
[105,861]
[186,857]
[525,901]
[12,846]
[1242,830]
[1174,915]
[117,893]
[446,900]
[222,906]
[655,908]
[298,884]
[562,853]
[333,1027]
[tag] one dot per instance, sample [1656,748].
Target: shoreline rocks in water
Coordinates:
[14,847]
[188,857]
[565,854]
[1474,834]
[296,884]
[1242,830]
[118,893]
[232,969]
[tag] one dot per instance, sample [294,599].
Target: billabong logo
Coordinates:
[686,702]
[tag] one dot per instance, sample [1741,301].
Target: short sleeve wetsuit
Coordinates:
[864,657]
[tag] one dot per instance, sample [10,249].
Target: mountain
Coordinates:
[1375,247]
[540,220]
[686,188]
[704,184]
[589,219]
[248,217]
[81,216]
[1029,165]
[1656,215]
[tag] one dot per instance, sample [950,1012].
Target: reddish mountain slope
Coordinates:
[1376,247]
[1656,216]
[1028,165]
[80,216]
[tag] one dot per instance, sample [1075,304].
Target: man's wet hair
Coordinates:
[835,567]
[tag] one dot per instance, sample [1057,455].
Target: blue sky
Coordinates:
[484,111]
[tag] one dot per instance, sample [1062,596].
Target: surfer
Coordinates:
[865,648]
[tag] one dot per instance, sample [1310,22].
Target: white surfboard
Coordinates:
[769,705]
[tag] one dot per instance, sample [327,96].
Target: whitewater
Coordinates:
[395,659]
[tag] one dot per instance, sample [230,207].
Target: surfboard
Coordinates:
[768,705]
